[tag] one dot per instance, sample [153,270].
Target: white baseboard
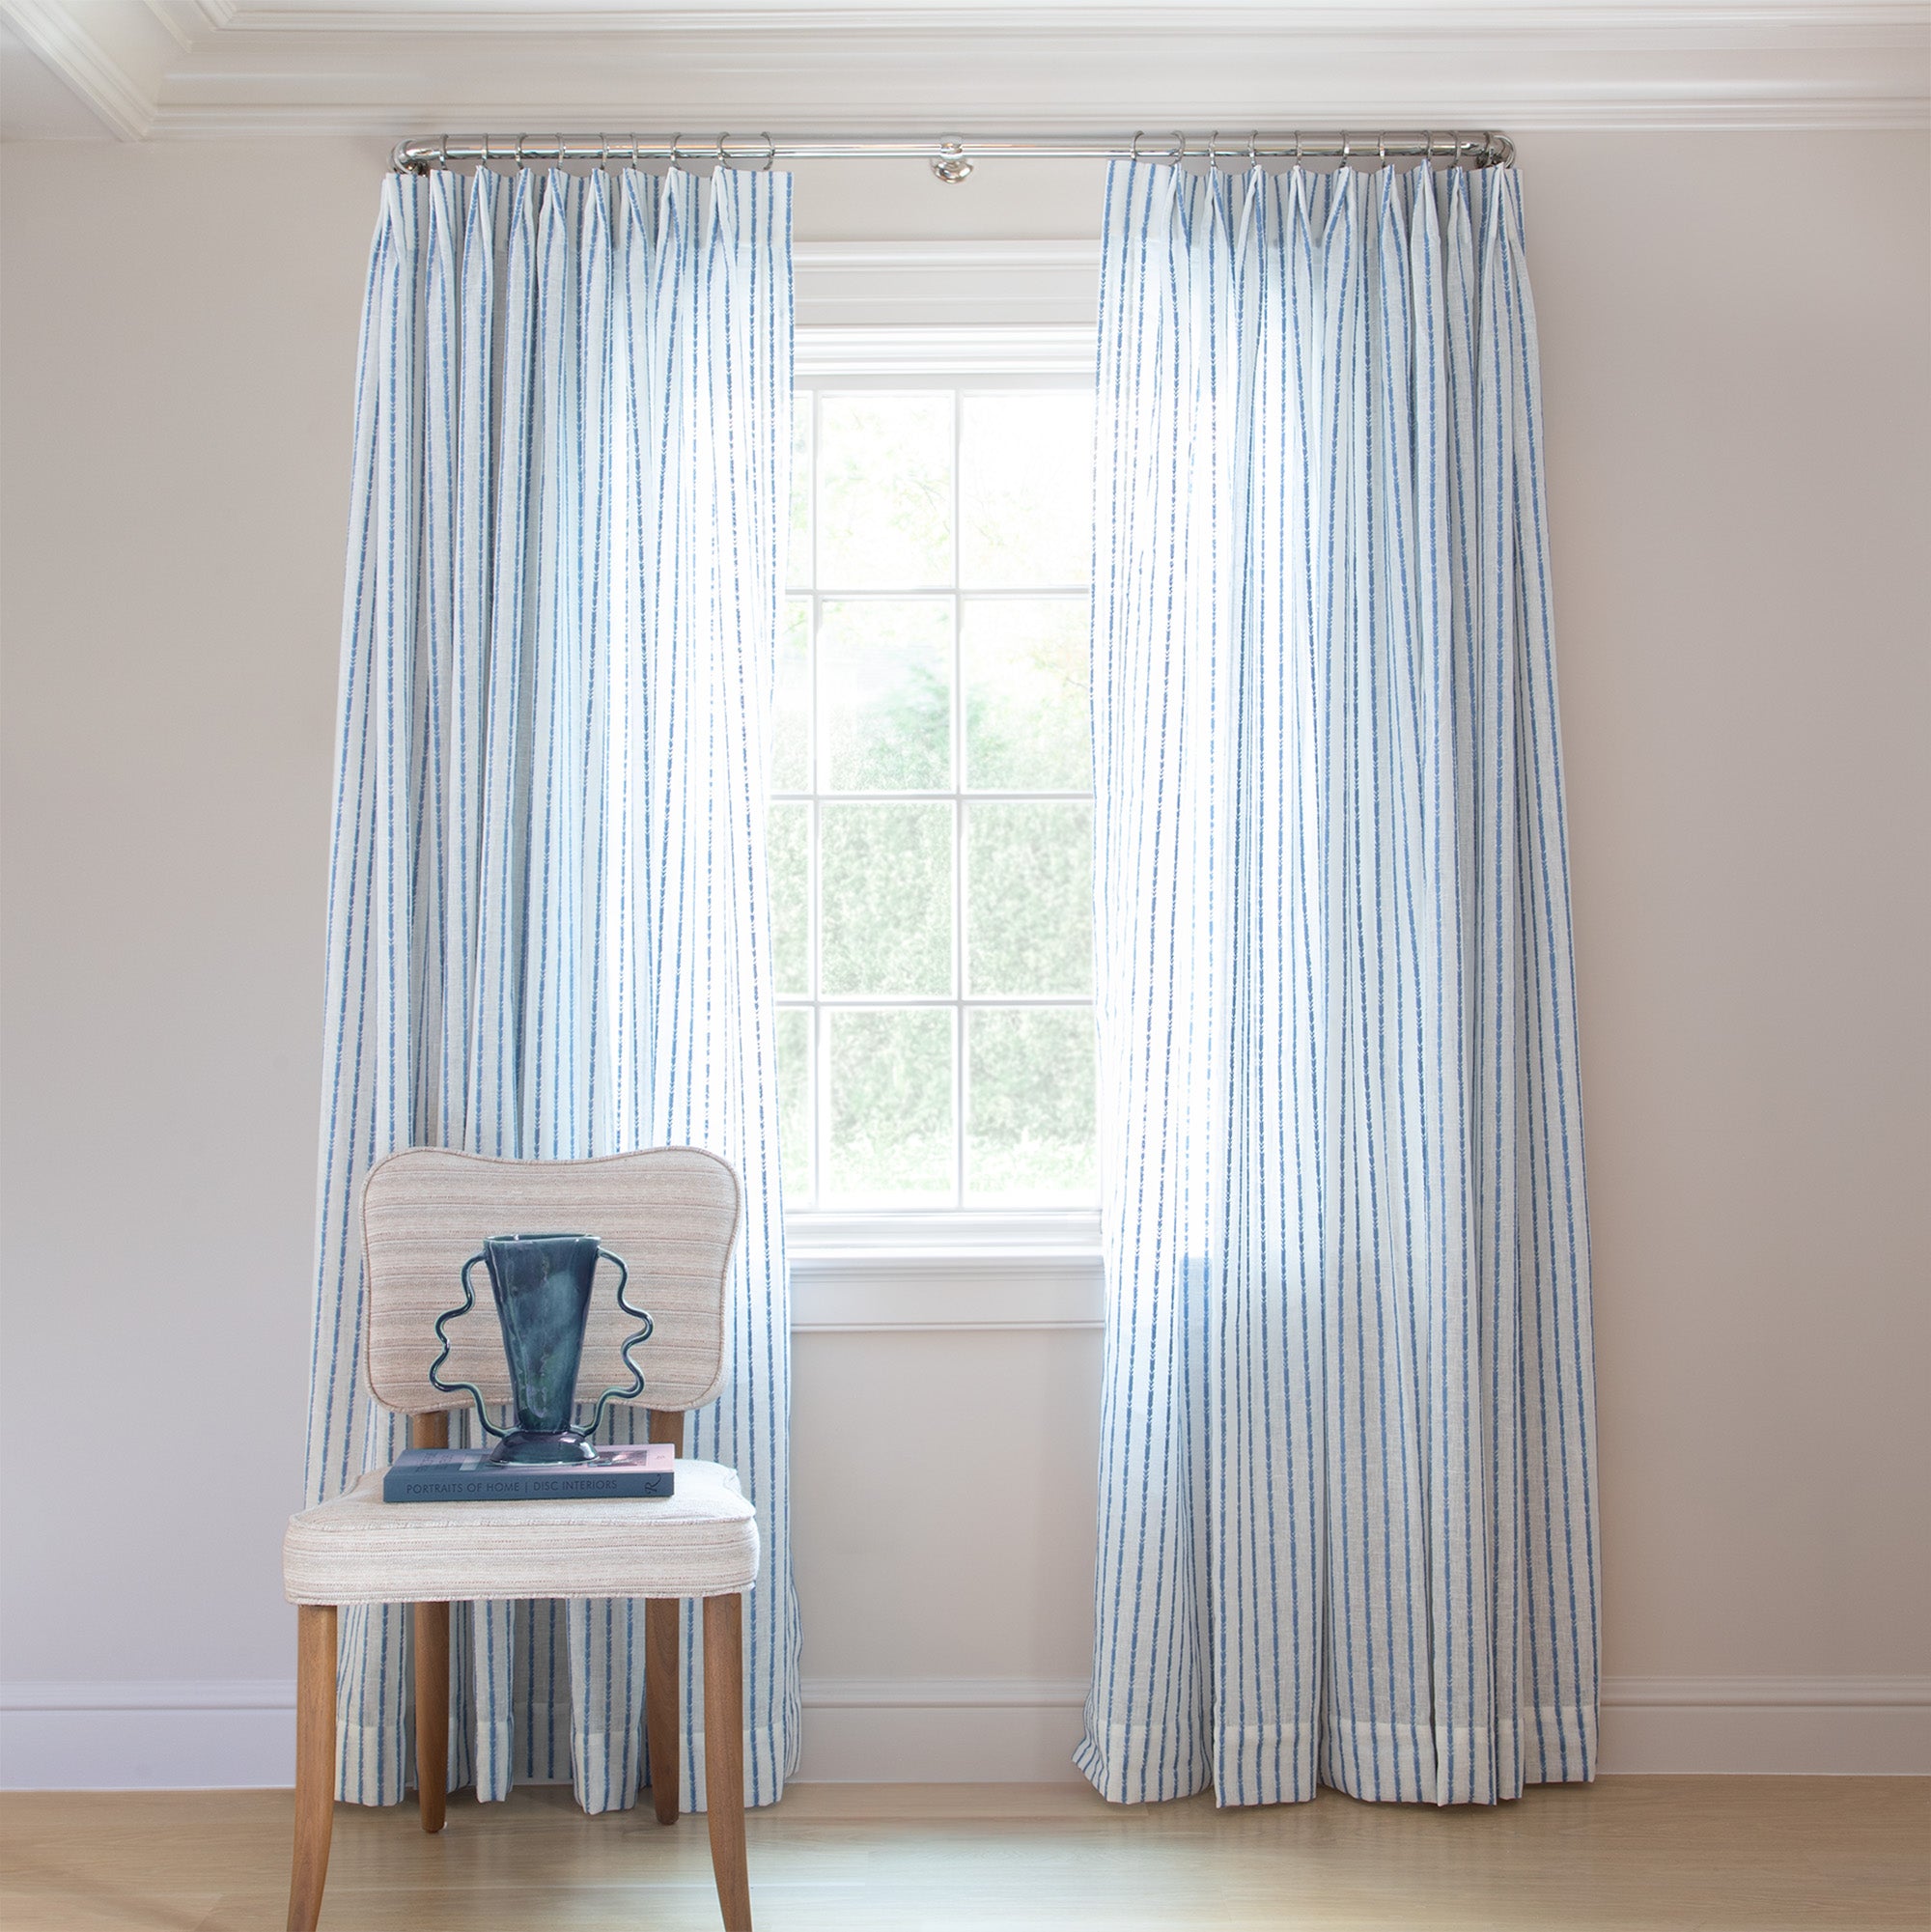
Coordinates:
[1769,1726]
[147,1735]
[941,1732]
[152,1735]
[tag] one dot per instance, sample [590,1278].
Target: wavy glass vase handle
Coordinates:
[643,1334]
[469,1387]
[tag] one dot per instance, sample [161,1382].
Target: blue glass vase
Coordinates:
[541,1284]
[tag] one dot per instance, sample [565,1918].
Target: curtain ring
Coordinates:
[485,151]
[1214,149]
[674,140]
[1254,148]
[1137,156]
[1296,147]
[521,161]
[1382,148]
[723,159]
[442,153]
[1347,149]
[771,154]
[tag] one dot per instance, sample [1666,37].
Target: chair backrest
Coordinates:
[670,1212]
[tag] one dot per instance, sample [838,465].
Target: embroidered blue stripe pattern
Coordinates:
[549,932]
[1347,1528]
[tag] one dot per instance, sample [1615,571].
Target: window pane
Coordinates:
[885,491]
[1030,1130]
[794,1102]
[885,684]
[1025,489]
[791,713]
[887,899]
[891,1106]
[1027,727]
[788,829]
[797,549]
[1029,899]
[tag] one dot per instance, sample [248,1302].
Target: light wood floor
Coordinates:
[1770,1854]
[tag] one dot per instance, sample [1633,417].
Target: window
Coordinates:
[931,816]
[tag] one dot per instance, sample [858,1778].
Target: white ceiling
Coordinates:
[136,70]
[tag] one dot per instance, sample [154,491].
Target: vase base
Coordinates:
[530,1445]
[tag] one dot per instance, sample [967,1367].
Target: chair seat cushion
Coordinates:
[701,1542]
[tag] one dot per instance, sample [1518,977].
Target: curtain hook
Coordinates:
[1254,146]
[1347,149]
[1296,147]
[521,161]
[770,153]
[485,151]
[1180,144]
[1382,148]
[723,159]
[674,140]
[1138,131]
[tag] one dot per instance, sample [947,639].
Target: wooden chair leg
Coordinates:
[431,1714]
[724,1756]
[431,1432]
[662,1618]
[660,1704]
[315,1761]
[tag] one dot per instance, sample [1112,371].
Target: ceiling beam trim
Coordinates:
[56,33]
[190,69]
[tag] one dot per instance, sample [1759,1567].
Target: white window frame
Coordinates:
[924,1268]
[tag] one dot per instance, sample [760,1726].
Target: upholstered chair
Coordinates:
[672,1214]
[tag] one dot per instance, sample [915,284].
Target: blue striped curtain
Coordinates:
[548,926]
[1348,1521]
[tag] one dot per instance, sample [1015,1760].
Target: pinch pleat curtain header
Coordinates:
[1347,1528]
[548,923]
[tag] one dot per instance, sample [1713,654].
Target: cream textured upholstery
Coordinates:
[702,1542]
[670,1212]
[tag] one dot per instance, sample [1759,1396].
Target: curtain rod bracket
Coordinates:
[950,164]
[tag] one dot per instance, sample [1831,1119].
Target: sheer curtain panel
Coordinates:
[547,932]
[1347,1518]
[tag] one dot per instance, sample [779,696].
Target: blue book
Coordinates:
[468,1475]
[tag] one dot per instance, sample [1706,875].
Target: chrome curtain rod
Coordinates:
[951,157]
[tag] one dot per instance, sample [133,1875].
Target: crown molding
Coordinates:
[1791,110]
[1645,22]
[107,54]
[188,70]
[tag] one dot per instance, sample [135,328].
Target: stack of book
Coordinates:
[468,1475]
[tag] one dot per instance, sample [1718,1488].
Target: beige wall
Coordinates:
[1733,332]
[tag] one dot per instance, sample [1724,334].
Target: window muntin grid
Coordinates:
[930,987]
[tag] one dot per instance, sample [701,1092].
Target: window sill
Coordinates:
[902,1272]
